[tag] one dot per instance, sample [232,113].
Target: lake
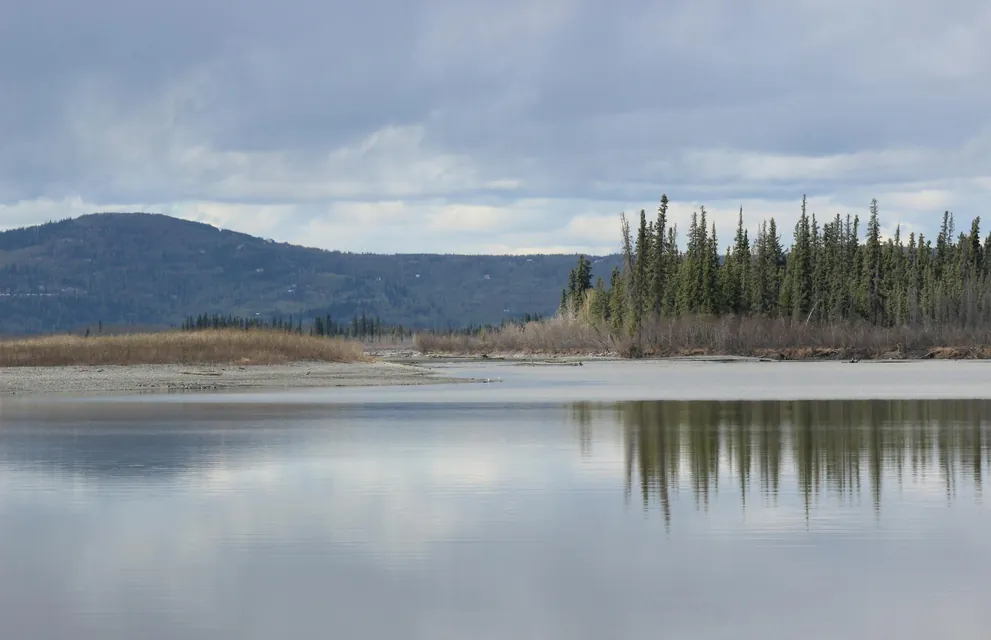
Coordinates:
[612,500]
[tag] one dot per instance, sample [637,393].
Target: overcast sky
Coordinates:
[492,125]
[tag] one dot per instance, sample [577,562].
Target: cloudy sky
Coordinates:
[491,125]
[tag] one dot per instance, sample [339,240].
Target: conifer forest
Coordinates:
[835,272]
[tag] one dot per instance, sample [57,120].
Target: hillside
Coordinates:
[151,269]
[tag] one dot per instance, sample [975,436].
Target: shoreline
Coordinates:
[173,378]
[389,367]
[802,354]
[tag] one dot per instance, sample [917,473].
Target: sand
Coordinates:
[25,381]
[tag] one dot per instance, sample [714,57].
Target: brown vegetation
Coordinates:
[199,347]
[556,336]
[777,338]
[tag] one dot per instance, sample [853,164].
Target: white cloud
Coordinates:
[441,126]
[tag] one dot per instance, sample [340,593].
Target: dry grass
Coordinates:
[783,338]
[554,336]
[778,338]
[201,347]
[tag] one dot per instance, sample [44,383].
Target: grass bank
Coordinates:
[174,347]
[777,338]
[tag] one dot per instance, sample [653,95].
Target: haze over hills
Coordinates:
[152,269]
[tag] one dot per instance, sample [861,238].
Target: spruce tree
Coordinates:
[689,271]
[617,302]
[710,275]
[820,283]
[672,263]
[737,266]
[659,259]
[870,287]
[800,270]
[641,262]
[599,308]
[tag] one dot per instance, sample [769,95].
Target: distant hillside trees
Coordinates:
[360,327]
[828,274]
[151,271]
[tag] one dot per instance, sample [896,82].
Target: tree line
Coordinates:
[361,327]
[829,274]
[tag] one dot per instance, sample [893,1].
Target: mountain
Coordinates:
[155,270]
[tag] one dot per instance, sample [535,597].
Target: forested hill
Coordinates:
[150,269]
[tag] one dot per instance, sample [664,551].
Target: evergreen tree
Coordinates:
[820,282]
[710,274]
[641,261]
[737,268]
[599,307]
[767,269]
[690,269]
[801,268]
[579,283]
[659,259]
[617,301]
[672,262]
[870,288]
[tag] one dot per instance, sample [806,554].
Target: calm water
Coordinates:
[494,517]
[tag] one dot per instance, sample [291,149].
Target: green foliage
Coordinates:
[598,307]
[640,288]
[617,302]
[800,266]
[735,283]
[660,265]
[579,284]
[827,274]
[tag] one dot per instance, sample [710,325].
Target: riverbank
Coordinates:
[576,356]
[751,337]
[169,378]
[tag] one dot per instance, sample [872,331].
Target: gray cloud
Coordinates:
[304,121]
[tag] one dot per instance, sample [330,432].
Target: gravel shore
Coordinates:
[23,381]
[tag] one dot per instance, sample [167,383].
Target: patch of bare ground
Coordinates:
[170,378]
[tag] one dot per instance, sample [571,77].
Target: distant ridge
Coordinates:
[154,270]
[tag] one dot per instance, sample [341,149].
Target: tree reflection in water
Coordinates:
[834,447]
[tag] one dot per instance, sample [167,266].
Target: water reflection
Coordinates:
[489,521]
[828,447]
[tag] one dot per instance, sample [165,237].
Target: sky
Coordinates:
[492,126]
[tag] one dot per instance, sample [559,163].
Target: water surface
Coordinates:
[316,517]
